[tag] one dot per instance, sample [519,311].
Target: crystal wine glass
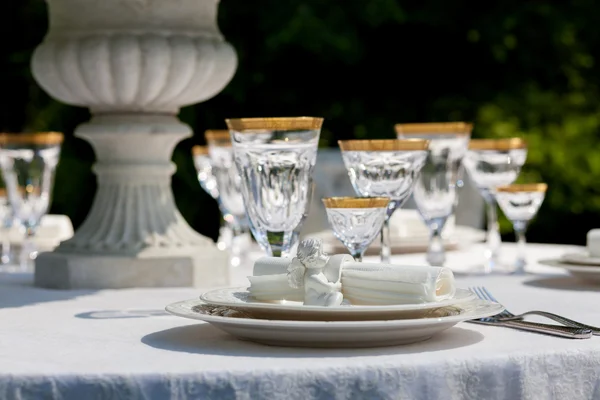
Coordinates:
[28,162]
[492,163]
[384,168]
[356,221]
[435,190]
[208,182]
[520,203]
[228,185]
[275,158]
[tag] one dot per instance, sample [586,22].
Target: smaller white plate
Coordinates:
[588,273]
[239,299]
[341,334]
[580,258]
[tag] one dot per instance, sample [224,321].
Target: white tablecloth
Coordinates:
[119,344]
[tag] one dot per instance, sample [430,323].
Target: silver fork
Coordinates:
[508,316]
[554,330]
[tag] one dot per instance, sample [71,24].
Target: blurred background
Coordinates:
[518,68]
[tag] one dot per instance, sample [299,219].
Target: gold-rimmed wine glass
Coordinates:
[275,158]
[28,162]
[520,203]
[384,168]
[435,191]
[492,163]
[356,221]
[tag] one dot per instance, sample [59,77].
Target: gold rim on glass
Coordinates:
[454,128]
[523,187]
[35,138]
[217,135]
[383,145]
[199,150]
[274,124]
[497,144]
[356,202]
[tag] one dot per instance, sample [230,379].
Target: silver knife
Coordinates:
[554,330]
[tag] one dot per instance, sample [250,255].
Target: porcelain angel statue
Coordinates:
[312,270]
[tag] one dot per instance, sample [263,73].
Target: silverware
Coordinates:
[553,330]
[506,315]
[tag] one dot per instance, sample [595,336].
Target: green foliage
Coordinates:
[514,68]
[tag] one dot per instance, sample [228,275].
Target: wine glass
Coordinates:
[356,221]
[275,158]
[6,224]
[435,190]
[520,204]
[228,186]
[384,168]
[28,162]
[208,182]
[492,163]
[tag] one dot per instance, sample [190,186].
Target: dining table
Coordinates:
[121,344]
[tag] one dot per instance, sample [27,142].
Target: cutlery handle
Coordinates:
[559,319]
[555,330]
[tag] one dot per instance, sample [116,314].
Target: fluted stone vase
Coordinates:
[134,63]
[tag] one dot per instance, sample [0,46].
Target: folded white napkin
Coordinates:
[362,283]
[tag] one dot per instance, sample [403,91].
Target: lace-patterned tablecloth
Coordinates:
[121,345]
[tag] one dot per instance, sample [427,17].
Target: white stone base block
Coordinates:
[74,271]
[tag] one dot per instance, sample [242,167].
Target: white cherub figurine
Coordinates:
[309,270]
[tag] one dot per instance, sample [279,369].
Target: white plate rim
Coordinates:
[184,309]
[580,258]
[468,295]
[558,263]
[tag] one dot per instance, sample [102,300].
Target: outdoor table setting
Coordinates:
[302,317]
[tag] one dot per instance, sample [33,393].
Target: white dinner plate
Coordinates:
[239,299]
[588,273]
[462,236]
[581,259]
[345,334]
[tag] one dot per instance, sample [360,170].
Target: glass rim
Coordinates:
[199,150]
[40,138]
[356,202]
[383,144]
[497,144]
[274,123]
[522,187]
[440,128]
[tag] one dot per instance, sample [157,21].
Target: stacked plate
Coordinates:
[293,324]
[581,265]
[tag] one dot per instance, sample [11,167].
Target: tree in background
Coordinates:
[515,69]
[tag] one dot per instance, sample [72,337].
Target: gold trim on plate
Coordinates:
[441,128]
[274,124]
[383,145]
[355,202]
[523,187]
[199,150]
[497,144]
[34,138]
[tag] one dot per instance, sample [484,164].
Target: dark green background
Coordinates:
[515,68]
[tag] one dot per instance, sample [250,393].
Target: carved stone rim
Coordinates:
[33,138]
[497,144]
[454,128]
[523,187]
[199,150]
[383,145]
[356,202]
[276,123]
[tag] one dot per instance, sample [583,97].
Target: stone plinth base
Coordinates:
[79,271]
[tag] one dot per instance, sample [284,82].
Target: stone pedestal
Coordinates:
[134,63]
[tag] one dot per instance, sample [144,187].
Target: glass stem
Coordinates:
[386,250]
[358,256]
[276,241]
[520,227]
[28,252]
[5,258]
[493,232]
[436,256]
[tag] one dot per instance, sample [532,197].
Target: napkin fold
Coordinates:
[362,283]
